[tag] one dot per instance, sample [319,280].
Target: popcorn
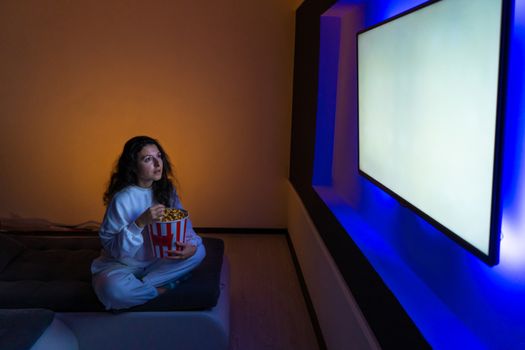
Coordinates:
[172,214]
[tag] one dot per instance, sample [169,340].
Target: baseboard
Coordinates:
[241,230]
[308,300]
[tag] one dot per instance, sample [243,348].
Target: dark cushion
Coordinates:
[51,265]
[9,249]
[57,240]
[59,279]
[201,291]
[20,329]
[57,295]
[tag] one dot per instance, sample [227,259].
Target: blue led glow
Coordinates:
[378,10]
[326,100]
[456,300]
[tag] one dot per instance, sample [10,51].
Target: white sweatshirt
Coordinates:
[122,240]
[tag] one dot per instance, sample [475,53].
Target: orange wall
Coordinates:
[212,80]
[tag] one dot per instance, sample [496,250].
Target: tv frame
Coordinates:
[492,258]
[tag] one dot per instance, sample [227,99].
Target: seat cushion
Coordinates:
[51,265]
[9,249]
[56,295]
[59,279]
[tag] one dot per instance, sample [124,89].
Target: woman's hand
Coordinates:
[150,215]
[187,251]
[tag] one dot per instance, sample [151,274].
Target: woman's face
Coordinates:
[149,165]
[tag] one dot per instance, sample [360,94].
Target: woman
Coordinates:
[127,273]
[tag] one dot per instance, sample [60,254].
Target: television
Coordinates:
[431,84]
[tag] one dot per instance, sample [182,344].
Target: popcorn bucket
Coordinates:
[164,234]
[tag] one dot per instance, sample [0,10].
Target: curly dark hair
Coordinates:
[125,172]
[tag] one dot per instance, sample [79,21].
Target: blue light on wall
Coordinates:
[456,300]
[326,98]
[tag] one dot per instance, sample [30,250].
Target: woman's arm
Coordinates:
[119,233]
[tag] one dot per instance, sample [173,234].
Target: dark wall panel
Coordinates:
[387,319]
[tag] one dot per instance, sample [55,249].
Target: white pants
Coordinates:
[120,286]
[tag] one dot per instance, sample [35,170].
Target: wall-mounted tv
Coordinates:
[430,113]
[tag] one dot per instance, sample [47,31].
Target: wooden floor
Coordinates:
[267,309]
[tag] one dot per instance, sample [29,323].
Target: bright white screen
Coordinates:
[427,111]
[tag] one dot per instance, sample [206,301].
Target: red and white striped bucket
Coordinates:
[164,235]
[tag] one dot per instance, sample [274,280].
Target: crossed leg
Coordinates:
[120,286]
